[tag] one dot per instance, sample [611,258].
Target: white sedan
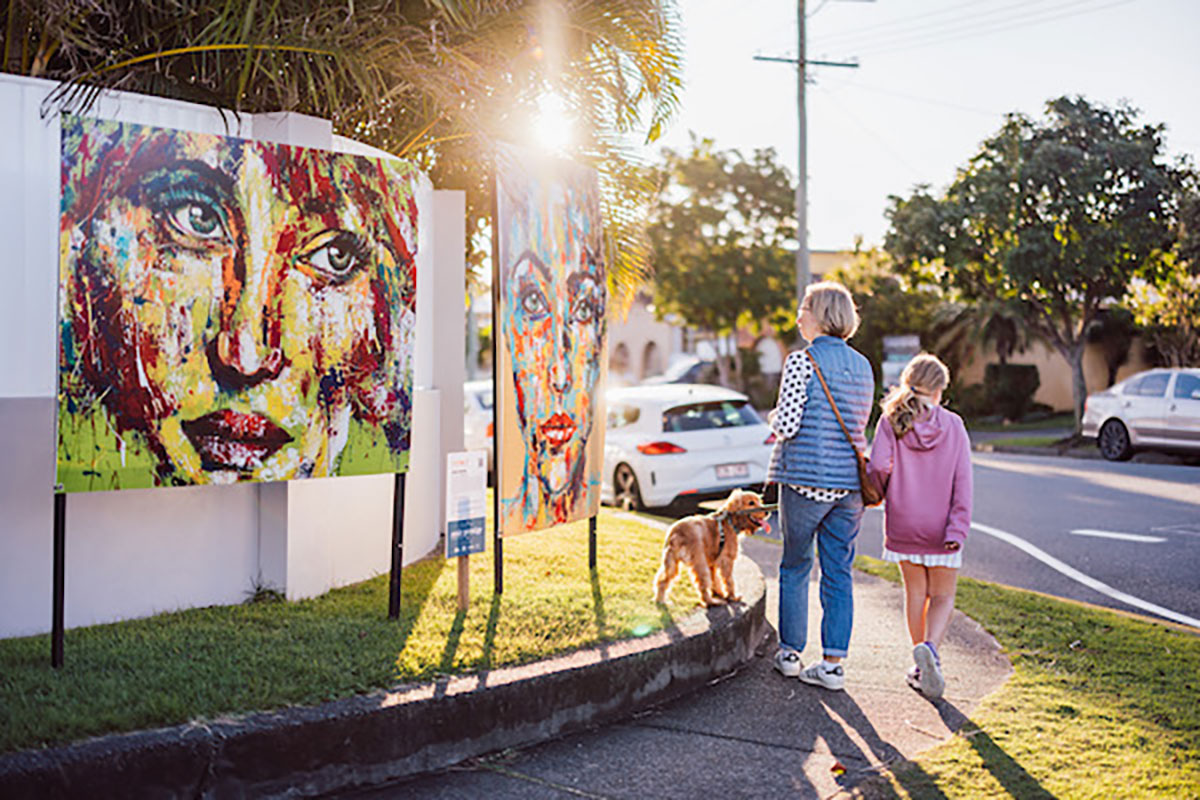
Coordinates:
[1154,410]
[678,439]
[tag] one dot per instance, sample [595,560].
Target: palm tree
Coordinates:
[436,81]
[961,329]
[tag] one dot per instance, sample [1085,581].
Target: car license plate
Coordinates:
[727,471]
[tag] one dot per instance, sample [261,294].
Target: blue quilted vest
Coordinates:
[819,455]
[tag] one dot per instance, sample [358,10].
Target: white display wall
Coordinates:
[134,553]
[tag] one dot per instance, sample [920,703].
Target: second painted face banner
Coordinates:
[230,310]
[551,343]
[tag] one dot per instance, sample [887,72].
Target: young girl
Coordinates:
[921,457]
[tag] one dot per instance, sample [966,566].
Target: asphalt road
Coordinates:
[1027,507]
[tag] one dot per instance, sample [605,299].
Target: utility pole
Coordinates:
[803,270]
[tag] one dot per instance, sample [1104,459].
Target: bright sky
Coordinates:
[936,78]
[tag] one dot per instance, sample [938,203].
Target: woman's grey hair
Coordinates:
[832,307]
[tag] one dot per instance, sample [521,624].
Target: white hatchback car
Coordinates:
[1154,410]
[668,440]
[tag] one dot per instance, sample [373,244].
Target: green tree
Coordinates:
[887,305]
[723,237]
[1113,330]
[1169,311]
[437,81]
[1054,216]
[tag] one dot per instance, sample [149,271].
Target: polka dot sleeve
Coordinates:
[793,394]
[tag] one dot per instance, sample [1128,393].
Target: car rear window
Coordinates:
[620,416]
[1187,387]
[704,416]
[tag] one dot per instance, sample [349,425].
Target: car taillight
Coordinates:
[659,448]
[770,439]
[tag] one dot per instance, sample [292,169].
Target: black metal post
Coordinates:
[497,454]
[592,542]
[60,559]
[397,547]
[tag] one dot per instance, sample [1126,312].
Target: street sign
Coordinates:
[466,498]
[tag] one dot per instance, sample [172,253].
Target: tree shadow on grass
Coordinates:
[489,634]
[416,583]
[598,606]
[1003,767]
[452,639]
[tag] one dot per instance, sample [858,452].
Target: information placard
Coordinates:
[466,498]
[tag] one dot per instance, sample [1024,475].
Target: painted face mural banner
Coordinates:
[230,310]
[551,344]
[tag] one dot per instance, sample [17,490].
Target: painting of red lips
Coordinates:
[227,440]
[232,310]
[552,340]
[558,430]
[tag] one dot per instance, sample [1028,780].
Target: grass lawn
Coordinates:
[206,662]
[1053,422]
[1027,441]
[1101,705]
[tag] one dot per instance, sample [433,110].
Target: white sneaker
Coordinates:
[787,662]
[932,681]
[826,677]
[913,678]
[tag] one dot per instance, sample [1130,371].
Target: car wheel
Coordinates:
[1114,441]
[626,493]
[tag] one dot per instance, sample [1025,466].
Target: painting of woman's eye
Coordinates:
[533,302]
[197,219]
[585,310]
[338,255]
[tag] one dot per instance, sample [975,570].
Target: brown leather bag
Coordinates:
[872,495]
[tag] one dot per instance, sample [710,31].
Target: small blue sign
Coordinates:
[464,537]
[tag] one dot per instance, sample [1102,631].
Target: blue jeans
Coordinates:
[833,527]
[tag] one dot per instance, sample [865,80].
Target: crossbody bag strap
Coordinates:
[833,405]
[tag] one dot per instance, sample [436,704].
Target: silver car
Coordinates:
[1154,410]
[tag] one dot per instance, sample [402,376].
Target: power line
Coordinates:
[903,22]
[969,33]
[884,144]
[999,15]
[850,84]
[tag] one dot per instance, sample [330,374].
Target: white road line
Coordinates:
[1126,537]
[1086,580]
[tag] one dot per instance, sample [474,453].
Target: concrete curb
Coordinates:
[385,735]
[999,447]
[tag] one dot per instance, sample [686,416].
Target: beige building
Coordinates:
[1054,373]
[641,346]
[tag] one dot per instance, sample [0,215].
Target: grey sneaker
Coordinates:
[788,663]
[932,682]
[818,675]
[913,678]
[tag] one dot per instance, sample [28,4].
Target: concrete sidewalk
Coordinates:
[691,710]
[756,733]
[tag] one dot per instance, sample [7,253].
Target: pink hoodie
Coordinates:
[927,477]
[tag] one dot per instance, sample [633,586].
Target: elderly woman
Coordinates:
[817,472]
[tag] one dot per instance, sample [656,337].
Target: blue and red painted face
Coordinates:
[554,318]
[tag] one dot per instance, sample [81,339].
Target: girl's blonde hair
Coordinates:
[833,308]
[924,376]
